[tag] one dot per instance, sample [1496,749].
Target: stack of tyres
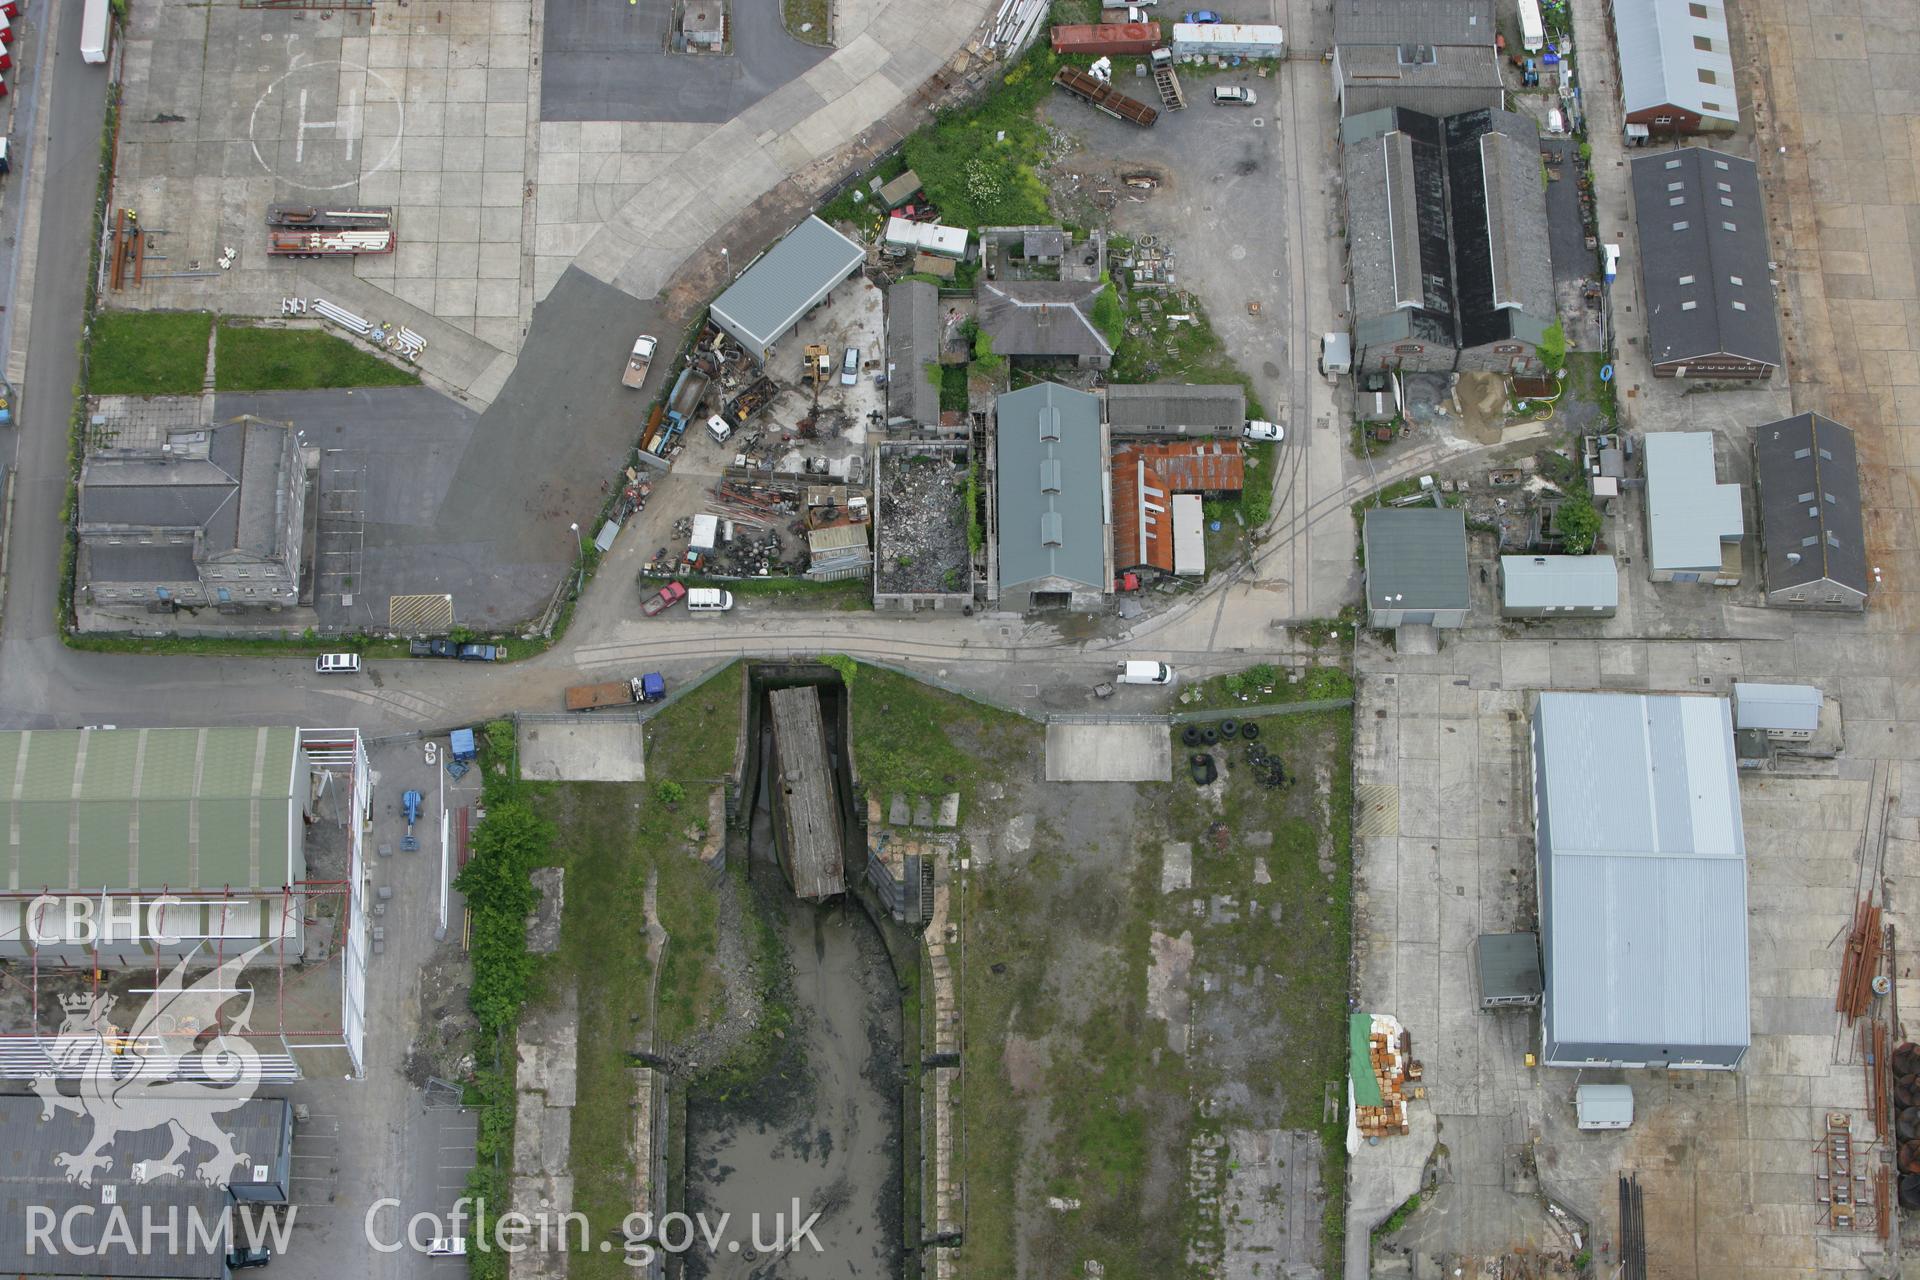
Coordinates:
[1906,1099]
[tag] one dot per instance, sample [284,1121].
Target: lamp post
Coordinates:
[727,262]
[580,560]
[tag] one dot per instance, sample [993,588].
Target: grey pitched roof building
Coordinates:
[1045,319]
[1414,22]
[1812,530]
[1692,519]
[1706,284]
[785,283]
[1050,486]
[913,346]
[1447,241]
[1161,409]
[1675,59]
[1416,566]
[214,516]
[1777,708]
[1549,586]
[1435,56]
[1642,881]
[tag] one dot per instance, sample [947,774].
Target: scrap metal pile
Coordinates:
[1860,964]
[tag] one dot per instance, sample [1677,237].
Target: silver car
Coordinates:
[850,367]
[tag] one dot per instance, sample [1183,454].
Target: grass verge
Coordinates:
[977,162]
[1267,685]
[807,20]
[250,358]
[149,353]
[1156,348]
[912,739]
[612,838]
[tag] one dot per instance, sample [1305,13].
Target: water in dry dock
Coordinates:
[823,1127]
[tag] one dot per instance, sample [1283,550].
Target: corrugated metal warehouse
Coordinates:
[1642,881]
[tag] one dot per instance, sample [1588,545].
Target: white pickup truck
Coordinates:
[639,362]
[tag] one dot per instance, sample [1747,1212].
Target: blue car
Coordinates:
[1202,17]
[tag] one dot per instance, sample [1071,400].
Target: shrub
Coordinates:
[1578,522]
[670,793]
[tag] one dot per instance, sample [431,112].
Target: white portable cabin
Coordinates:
[927,237]
[1533,33]
[95,24]
[1228,39]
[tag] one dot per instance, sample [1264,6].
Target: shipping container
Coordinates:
[1114,39]
[94,29]
[1228,40]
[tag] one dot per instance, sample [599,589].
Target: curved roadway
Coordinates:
[1227,625]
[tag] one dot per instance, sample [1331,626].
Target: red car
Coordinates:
[668,596]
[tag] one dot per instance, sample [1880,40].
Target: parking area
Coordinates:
[614,62]
[1444,853]
[393,1133]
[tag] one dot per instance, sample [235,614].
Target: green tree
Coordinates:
[1578,522]
[495,882]
[1108,318]
[1553,347]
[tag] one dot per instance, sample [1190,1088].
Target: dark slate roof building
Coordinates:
[913,346]
[1435,56]
[1447,241]
[210,517]
[102,1223]
[1706,285]
[1812,534]
[1177,409]
[1043,319]
[1050,488]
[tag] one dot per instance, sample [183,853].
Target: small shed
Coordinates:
[1416,566]
[704,23]
[1603,1106]
[900,191]
[1509,968]
[1558,587]
[1784,712]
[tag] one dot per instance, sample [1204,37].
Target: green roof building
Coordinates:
[211,816]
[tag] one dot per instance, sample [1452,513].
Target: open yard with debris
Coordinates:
[1154,986]
[924,526]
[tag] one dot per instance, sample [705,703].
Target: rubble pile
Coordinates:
[923,526]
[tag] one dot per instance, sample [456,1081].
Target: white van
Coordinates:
[1232,95]
[1145,673]
[708,600]
[718,428]
[333,664]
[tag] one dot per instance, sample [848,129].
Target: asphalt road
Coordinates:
[557,404]
[609,61]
